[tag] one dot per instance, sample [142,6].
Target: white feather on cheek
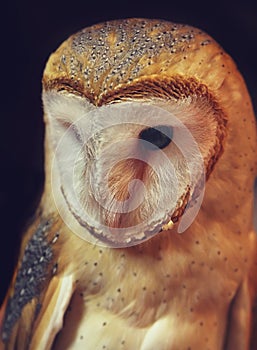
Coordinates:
[128,183]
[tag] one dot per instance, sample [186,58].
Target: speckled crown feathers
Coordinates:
[110,56]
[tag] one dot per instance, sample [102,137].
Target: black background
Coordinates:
[31,30]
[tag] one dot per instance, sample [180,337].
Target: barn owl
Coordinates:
[144,235]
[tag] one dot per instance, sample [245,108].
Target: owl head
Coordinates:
[140,116]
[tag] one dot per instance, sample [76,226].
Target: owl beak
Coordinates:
[168,226]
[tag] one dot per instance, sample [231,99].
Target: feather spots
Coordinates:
[56,237]
[115,49]
[30,278]
[206,42]
[55,268]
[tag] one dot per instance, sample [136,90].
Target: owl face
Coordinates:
[126,169]
[129,155]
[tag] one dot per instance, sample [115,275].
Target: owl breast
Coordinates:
[161,302]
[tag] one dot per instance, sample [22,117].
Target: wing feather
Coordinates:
[50,318]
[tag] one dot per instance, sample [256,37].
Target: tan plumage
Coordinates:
[188,291]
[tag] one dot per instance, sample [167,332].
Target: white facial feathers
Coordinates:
[120,187]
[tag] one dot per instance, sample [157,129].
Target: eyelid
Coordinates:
[68,125]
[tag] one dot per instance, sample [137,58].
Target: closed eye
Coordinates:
[67,125]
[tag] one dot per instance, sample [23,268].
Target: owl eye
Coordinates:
[159,136]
